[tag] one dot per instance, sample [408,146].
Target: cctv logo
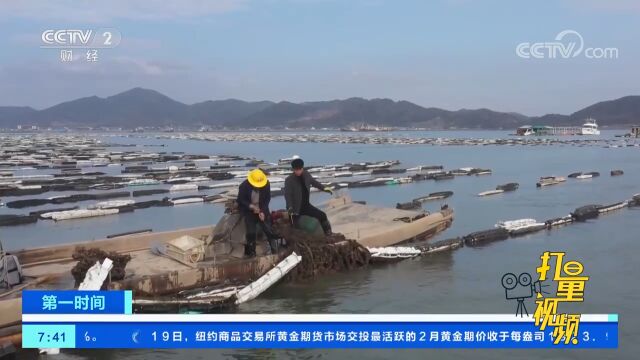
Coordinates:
[66,38]
[564,48]
[541,50]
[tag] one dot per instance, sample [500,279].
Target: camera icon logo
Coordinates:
[519,288]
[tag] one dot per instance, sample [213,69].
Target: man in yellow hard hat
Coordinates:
[253,200]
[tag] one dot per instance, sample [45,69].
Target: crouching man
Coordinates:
[296,192]
[253,200]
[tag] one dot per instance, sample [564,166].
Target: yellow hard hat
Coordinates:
[257,178]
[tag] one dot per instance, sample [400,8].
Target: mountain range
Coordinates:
[140,107]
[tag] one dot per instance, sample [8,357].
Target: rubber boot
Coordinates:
[274,245]
[326,227]
[250,246]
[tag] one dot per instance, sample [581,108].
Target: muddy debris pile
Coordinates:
[88,257]
[322,254]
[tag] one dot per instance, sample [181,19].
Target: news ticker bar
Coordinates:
[254,331]
[404,318]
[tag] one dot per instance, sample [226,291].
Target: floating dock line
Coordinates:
[490,192]
[10,220]
[111,204]
[485,236]
[508,186]
[550,180]
[133,232]
[525,226]
[393,252]
[149,192]
[435,196]
[565,220]
[40,212]
[502,231]
[396,253]
[612,207]
[19,204]
[396,140]
[79,214]
[189,200]
[586,212]
[184,187]
[152,203]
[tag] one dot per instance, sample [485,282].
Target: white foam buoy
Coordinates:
[96,275]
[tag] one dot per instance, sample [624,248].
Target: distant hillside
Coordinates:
[625,110]
[149,108]
[136,107]
[224,111]
[619,112]
[12,116]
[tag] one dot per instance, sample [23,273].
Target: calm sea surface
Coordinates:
[464,281]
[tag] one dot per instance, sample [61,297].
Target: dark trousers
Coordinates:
[251,222]
[310,210]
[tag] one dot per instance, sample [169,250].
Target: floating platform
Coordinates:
[540,130]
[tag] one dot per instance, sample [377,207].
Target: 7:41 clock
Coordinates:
[48,336]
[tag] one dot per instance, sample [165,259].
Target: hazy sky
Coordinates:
[451,54]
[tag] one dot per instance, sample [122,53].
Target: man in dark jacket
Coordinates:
[253,200]
[296,193]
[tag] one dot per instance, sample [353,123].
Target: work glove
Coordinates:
[328,190]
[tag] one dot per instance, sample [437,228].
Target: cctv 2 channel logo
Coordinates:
[81,38]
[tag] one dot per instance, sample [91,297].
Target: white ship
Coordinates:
[525,130]
[590,127]
[286,161]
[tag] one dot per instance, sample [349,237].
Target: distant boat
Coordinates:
[525,130]
[285,161]
[590,127]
